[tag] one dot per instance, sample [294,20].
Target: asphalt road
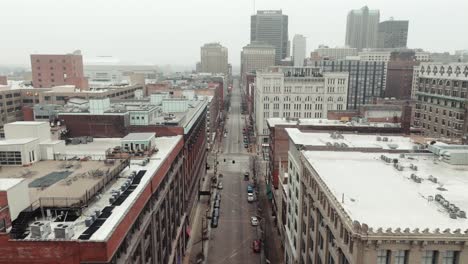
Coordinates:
[231,241]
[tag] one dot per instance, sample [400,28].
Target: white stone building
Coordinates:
[297,92]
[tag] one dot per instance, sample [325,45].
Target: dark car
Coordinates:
[255,244]
[214,222]
[215,213]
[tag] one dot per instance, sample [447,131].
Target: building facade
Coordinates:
[56,70]
[367,79]
[297,92]
[384,55]
[338,53]
[271,27]
[400,70]
[362,28]
[256,56]
[441,92]
[214,58]
[393,34]
[299,50]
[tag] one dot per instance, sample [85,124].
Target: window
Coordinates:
[400,257]
[449,257]
[383,257]
[428,257]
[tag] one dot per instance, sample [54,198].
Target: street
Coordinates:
[231,241]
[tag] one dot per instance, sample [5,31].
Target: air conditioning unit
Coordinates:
[64,231]
[40,229]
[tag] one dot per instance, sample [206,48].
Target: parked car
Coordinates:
[255,245]
[215,213]
[220,185]
[218,196]
[246,176]
[214,222]
[254,221]
[217,203]
[249,188]
[250,197]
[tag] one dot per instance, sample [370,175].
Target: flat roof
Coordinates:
[351,140]
[6,184]
[379,195]
[165,147]
[27,123]
[272,122]
[139,136]
[17,141]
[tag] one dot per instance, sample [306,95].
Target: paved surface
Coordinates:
[231,241]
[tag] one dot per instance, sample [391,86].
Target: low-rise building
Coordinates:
[350,212]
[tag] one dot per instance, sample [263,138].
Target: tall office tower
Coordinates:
[393,34]
[271,27]
[362,28]
[299,50]
[256,56]
[214,58]
[50,70]
[400,70]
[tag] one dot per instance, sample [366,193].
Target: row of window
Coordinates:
[428,257]
[299,99]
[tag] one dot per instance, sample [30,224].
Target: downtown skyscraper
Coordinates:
[271,27]
[362,28]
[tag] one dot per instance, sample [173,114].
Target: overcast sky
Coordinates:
[172,31]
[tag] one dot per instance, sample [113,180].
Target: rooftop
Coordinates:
[6,184]
[75,178]
[382,196]
[18,141]
[350,140]
[272,122]
[139,136]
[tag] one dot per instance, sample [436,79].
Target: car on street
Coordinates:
[215,212]
[246,176]
[249,188]
[250,197]
[220,185]
[256,246]
[254,221]
[214,222]
[216,203]
[218,196]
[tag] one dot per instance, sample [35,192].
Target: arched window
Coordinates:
[340,99]
[298,98]
[266,99]
[276,99]
[319,99]
[330,99]
[287,99]
[307,99]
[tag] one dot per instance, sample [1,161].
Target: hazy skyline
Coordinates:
[172,32]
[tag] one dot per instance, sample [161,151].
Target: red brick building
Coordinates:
[152,230]
[50,70]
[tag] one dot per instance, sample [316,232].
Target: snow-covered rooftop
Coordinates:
[351,140]
[7,183]
[379,195]
[272,122]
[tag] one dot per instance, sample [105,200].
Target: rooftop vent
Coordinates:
[415,178]
[40,229]
[64,231]
[385,139]
[379,138]
[413,167]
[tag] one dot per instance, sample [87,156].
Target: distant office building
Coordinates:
[400,74]
[338,53]
[299,50]
[362,28]
[271,27]
[446,57]
[441,91]
[256,56]
[367,79]
[393,34]
[55,70]
[214,58]
[3,80]
[384,55]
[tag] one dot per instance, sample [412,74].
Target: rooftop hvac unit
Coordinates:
[385,139]
[344,145]
[461,214]
[432,179]
[453,215]
[336,144]
[88,221]
[393,146]
[379,138]
[413,167]
[40,229]
[64,231]
[329,144]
